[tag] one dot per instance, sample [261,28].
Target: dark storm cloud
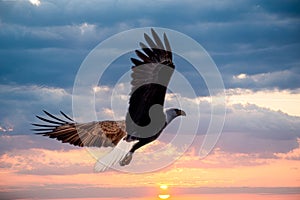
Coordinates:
[50,66]
[289,8]
[250,37]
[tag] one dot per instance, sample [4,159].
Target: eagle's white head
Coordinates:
[172,113]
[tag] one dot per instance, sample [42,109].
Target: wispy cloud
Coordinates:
[35,2]
[6,129]
[267,80]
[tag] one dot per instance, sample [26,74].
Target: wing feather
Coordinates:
[49,121]
[168,46]
[150,78]
[157,40]
[97,134]
[142,56]
[136,61]
[147,50]
[150,42]
[66,116]
[56,118]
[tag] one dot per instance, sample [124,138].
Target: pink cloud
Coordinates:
[73,167]
[291,155]
[44,161]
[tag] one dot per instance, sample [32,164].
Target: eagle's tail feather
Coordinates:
[113,157]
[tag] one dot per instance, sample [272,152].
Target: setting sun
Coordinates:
[163,187]
[164,194]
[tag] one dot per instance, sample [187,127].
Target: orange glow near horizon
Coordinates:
[58,169]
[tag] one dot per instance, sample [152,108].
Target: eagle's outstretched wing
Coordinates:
[91,134]
[151,74]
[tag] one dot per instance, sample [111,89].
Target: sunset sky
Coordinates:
[255,46]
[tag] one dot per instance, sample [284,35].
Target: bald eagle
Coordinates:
[145,120]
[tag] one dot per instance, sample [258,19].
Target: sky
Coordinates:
[255,46]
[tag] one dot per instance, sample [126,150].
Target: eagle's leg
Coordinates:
[128,157]
[126,160]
